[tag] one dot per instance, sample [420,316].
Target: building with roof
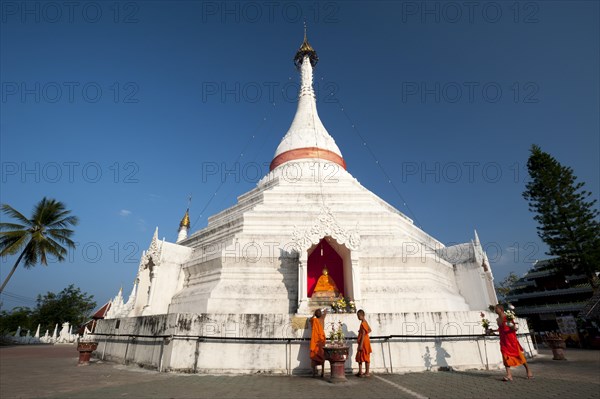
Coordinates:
[546,292]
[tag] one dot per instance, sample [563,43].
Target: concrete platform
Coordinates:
[46,371]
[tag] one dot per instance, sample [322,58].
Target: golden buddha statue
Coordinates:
[326,284]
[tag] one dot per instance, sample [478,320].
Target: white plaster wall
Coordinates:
[472,285]
[141,298]
[235,285]
[168,277]
[215,356]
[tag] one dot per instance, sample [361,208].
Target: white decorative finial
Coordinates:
[154,242]
[305,29]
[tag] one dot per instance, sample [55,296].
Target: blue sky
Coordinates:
[122,110]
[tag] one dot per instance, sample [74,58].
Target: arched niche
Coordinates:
[327,253]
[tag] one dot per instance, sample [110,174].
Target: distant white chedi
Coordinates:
[66,336]
[250,272]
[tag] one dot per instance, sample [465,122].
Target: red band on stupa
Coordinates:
[307,152]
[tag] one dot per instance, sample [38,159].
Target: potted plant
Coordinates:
[336,352]
[86,346]
[557,344]
[485,323]
[351,305]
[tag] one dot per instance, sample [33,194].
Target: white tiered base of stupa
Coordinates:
[252,257]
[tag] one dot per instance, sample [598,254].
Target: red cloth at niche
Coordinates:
[316,263]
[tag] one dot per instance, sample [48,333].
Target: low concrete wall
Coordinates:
[170,342]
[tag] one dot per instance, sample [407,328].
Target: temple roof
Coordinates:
[101,313]
[307,138]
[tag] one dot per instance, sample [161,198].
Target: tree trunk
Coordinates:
[13,269]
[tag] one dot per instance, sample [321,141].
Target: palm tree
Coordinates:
[42,235]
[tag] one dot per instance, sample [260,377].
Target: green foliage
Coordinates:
[18,317]
[70,305]
[567,219]
[45,233]
[505,286]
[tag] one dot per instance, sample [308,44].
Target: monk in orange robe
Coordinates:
[512,352]
[363,353]
[317,341]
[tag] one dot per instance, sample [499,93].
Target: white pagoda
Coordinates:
[252,271]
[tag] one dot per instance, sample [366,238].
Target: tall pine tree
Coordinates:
[567,219]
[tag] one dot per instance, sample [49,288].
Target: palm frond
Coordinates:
[42,210]
[62,236]
[45,234]
[11,244]
[62,223]
[30,258]
[13,213]
[15,233]
[54,249]
[12,226]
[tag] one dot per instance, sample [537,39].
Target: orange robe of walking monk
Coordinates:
[363,334]
[317,339]
[512,352]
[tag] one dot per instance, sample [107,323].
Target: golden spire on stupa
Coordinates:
[305,50]
[185,222]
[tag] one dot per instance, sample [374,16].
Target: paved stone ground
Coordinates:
[46,371]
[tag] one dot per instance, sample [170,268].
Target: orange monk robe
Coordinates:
[512,352]
[363,334]
[317,341]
